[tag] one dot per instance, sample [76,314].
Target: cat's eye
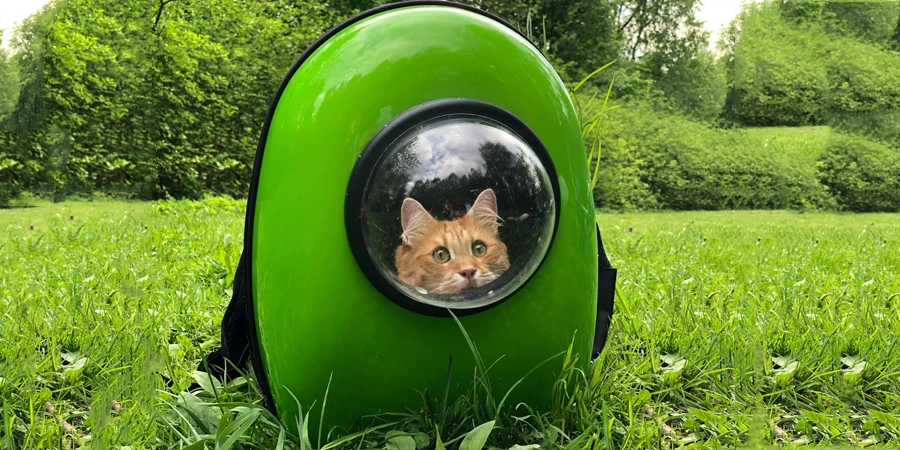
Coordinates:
[441,255]
[479,249]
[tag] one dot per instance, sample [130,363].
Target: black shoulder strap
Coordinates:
[606,294]
[235,348]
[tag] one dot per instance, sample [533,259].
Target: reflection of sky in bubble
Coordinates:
[455,147]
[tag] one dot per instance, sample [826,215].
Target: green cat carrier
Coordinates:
[421,161]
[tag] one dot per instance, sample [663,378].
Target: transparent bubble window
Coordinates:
[458,212]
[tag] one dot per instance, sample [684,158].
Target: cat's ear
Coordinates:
[415,221]
[484,210]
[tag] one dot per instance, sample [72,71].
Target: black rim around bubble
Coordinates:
[370,161]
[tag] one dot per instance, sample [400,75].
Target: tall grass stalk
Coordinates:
[592,123]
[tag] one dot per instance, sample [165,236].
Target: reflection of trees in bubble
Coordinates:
[389,191]
[517,173]
[383,199]
[507,170]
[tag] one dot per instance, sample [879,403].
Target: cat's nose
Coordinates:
[468,273]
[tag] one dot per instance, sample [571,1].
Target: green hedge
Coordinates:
[796,74]
[116,102]
[656,160]
[883,126]
[862,175]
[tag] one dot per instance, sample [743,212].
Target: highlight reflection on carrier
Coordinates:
[451,256]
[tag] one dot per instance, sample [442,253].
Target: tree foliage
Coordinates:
[690,78]
[9,83]
[894,43]
[165,98]
[667,47]
[149,98]
[655,25]
[870,21]
[579,36]
[23,159]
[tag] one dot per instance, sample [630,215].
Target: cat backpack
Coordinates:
[421,161]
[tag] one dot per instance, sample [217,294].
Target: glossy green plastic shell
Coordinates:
[317,316]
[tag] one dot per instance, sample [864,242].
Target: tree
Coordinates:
[29,47]
[158,98]
[654,25]
[675,58]
[579,36]
[579,32]
[9,83]
[801,10]
[9,91]
[23,159]
[694,84]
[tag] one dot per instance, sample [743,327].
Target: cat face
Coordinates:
[448,257]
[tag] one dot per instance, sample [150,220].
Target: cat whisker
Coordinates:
[447,287]
[486,278]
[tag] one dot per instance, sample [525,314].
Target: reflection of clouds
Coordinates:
[455,148]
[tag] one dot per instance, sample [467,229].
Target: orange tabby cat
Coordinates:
[448,257]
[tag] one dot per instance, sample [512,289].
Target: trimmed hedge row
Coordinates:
[795,74]
[862,175]
[652,160]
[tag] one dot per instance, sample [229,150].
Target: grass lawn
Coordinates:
[794,140]
[731,328]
